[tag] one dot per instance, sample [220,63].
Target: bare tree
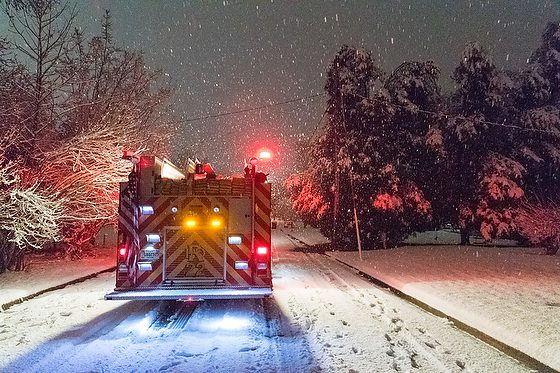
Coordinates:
[86,103]
[42,28]
[112,105]
[15,102]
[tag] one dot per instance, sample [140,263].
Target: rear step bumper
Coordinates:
[189,294]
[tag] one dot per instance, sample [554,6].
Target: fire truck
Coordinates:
[190,235]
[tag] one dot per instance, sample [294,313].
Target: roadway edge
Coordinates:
[20,300]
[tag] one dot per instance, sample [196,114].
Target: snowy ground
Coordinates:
[323,317]
[42,273]
[509,293]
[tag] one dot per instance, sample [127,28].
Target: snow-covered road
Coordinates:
[323,317]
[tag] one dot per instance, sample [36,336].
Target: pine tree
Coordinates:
[364,158]
[546,59]
[484,175]
[327,189]
[539,102]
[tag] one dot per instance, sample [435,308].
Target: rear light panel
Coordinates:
[153,238]
[146,210]
[234,240]
[145,266]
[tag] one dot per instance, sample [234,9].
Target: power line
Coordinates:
[371,99]
[266,106]
[318,125]
[434,113]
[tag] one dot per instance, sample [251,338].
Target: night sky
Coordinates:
[222,56]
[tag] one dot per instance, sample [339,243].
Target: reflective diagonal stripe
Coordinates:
[262,213]
[181,263]
[128,227]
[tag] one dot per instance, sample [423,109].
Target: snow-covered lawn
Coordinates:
[509,293]
[42,273]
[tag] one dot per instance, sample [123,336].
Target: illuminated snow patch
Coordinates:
[226,323]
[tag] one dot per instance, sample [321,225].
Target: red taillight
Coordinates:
[262,250]
[122,251]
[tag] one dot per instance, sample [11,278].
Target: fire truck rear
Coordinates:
[192,236]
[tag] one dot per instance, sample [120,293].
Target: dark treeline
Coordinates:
[408,158]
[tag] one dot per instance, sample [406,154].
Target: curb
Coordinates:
[491,341]
[7,305]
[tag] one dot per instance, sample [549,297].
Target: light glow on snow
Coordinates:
[227,323]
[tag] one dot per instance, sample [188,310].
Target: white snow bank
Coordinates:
[511,294]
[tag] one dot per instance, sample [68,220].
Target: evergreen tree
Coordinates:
[484,177]
[546,60]
[416,135]
[539,103]
[341,153]
[328,189]
[362,161]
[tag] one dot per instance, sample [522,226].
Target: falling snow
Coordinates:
[227,56]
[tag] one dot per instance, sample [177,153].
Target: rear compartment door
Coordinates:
[194,255]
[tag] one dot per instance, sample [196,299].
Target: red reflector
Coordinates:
[122,251]
[262,250]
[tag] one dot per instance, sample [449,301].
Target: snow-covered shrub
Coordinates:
[85,171]
[539,223]
[307,201]
[30,217]
[499,195]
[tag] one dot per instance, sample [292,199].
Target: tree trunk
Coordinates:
[16,258]
[551,250]
[19,260]
[465,237]
[3,257]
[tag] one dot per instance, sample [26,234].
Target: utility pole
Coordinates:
[336,202]
[350,173]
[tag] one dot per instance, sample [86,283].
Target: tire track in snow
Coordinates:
[403,347]
[506,357]
[285,340]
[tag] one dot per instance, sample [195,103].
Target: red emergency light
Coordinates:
[262,250]
[265,155]
[122,251]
